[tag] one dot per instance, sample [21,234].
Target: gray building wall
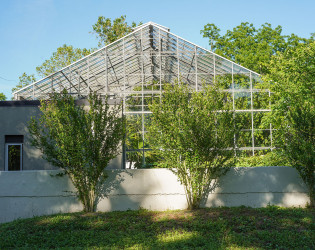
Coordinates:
[14,118]
[30,193]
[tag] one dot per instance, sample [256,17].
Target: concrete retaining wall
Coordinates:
[31,193]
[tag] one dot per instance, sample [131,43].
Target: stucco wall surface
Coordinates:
[32,193]
[14,121]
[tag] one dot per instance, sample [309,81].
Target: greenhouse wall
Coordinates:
[135,69]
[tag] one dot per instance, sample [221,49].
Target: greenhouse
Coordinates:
[134,70]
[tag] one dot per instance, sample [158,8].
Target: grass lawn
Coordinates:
[213,228]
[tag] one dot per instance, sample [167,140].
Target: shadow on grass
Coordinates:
[213,228]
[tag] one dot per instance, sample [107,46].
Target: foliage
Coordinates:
[24,80]
[107,31]
[298,137]
[61,58]
[273,158]
[292,81]
[193,133]
[78,141]
[213,228]
[249,46]
[139,153]
[2,97]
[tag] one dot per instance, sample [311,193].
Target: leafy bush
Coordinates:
[273,158]
[193,133]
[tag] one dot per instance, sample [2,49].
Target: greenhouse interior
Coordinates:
[134,70]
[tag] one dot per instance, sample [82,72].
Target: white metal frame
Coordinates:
[150,53]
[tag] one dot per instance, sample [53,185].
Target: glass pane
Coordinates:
[260,121]
[151,159]
[243,120]
[242,100]
[241,81]
[134,159]
[14,157]
[134,138]
[134,103]
[244,139]
[261,100]
[262,138]
[224,81]
[205,64]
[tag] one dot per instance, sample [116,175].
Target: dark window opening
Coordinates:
[13,152]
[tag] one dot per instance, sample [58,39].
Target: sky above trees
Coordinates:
[31,30]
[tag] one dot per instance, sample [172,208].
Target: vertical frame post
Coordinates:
[252,113]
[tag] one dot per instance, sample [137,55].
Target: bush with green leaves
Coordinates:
[79,140]
[292,81]
[298,137]
[270,159]
[193,134]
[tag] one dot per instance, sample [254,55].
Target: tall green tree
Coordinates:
[292,81]
[249,46]
[24,80]
[193,133]
[108,31]
[61,58]
[81,142]
[2,97]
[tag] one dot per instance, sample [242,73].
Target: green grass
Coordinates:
[214,228]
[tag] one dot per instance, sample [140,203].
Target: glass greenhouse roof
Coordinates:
[149,55]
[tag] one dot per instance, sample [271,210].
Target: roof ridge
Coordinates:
[135,30]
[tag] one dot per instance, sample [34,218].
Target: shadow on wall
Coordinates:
[32,158]
[32,193]
[112,183]
[153,189]
[259,187]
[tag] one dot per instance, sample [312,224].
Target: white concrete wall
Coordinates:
[31,193]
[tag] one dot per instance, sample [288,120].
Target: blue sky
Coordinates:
[31,30]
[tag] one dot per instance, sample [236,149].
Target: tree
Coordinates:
[107,31]
[212,32]
[249,46]
[78,141]
[24,80]
[64,56]
[61,58]
[193,133]
[292,81]
[2,97]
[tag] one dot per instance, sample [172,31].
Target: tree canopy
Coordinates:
[24,80]
[2,97]
[249,46]
[61,58]
[108,31]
